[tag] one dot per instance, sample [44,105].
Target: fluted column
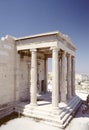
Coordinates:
[69,76]
[63,77]
[33,90]
[45,73]
[59,78]
[29,78]
[55,82]
[73,75]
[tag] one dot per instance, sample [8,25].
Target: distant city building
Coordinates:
[81,77]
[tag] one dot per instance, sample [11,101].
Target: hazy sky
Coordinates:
[71,17]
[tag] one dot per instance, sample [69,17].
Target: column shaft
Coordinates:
[63,78]
[55,82]
[59,79]
[33,90]
[69,76]
[45,74]
[73,76]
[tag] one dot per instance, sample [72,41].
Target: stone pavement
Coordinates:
[81,121]
[58,117]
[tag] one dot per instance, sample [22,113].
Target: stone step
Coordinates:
[56,118]
[70,107]
[69,114]
[67,109]
[45,118]
[6,111]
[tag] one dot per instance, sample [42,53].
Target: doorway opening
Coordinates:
[49,75]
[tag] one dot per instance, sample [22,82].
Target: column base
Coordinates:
[59,118]
[63,99]
[55,108]
[33,105]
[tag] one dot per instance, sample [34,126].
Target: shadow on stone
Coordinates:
[5,119]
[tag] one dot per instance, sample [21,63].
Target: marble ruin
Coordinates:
[23,77]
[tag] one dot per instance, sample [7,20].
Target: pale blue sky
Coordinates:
[71,17]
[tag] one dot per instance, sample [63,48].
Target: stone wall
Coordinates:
[15,73]
[24,79]
[7,70]
[23,70]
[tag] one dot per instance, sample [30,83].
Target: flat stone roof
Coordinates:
[57,33]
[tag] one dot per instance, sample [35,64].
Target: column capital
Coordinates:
[73,57]
[33,49]
[64,52]
[68,54]
[55,49]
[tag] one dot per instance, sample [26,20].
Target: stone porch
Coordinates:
[44,111]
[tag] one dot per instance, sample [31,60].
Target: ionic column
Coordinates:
[29,81]
[73,75]
[33,90]
[59,78]
[45,74]
[55,82]
[63,78]
[69,76]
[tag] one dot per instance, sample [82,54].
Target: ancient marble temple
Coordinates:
[23,77]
